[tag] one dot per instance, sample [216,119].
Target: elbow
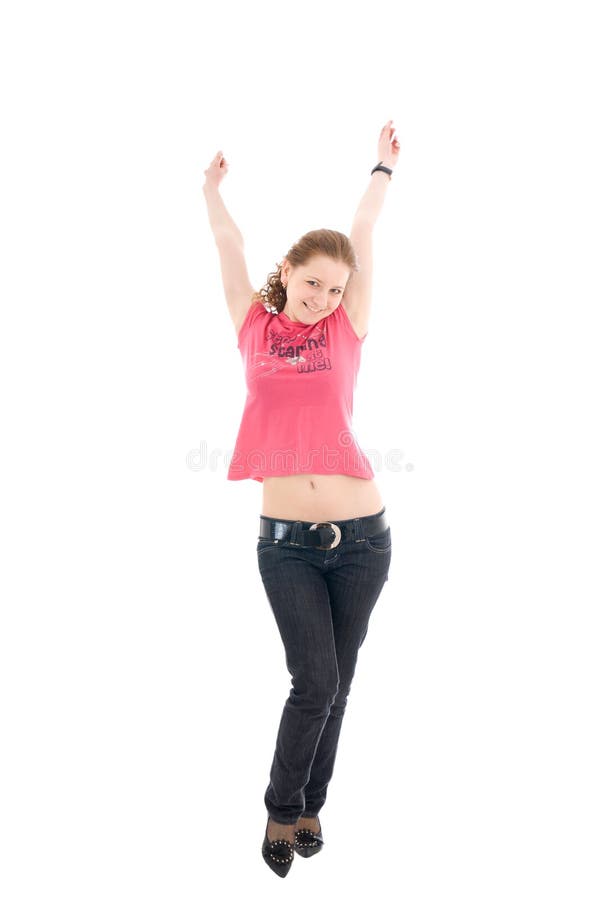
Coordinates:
[227,236]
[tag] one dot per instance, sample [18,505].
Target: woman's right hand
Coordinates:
[216,171]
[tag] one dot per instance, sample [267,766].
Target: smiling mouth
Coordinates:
[309,308]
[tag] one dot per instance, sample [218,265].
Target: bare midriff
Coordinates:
[320,498]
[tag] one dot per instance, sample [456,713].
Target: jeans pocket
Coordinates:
[263,544]
[381,542]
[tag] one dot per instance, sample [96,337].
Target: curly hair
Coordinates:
[322,241]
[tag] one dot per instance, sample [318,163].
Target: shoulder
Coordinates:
[255,309]
[354,321]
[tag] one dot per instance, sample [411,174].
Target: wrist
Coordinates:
[384,168]
[382,176]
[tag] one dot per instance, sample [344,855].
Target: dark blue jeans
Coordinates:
[322,601]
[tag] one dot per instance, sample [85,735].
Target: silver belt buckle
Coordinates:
[336,529]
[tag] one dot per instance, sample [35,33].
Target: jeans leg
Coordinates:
[354,588]
[298,596]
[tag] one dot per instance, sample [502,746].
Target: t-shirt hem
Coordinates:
[240,476]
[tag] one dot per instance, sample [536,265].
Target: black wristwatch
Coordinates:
[380,168]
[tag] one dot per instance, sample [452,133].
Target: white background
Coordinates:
[142,674]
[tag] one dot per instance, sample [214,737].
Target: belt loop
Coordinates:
[359,534]
[294,532]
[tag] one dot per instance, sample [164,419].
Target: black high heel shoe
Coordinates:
[307,842]
[278,854]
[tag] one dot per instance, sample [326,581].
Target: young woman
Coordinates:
[324,544]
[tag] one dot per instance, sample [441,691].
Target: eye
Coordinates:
[310,281]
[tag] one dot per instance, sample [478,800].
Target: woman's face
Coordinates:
[314,290]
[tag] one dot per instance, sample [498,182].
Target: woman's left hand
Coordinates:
[388,149]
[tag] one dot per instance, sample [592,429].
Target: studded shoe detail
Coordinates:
[307,842]
[278,854]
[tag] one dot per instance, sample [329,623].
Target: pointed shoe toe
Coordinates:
[278,855]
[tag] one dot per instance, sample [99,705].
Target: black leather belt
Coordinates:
[322,535]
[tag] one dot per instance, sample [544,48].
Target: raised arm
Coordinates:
[357,295]
[230,244]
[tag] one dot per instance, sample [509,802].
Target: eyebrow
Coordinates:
[318,279]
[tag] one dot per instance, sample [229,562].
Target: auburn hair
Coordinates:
[320,242]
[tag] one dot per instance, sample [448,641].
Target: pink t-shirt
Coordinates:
[298,412]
